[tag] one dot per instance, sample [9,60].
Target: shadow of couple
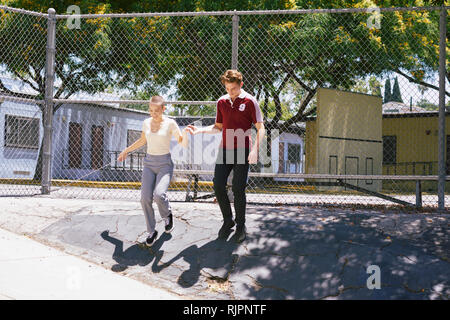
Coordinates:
[216,254]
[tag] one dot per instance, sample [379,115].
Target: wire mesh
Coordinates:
[346,97]
[22,59]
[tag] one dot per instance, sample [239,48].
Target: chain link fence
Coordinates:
[350,100]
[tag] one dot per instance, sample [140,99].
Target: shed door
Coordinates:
[281,158]
[75,143]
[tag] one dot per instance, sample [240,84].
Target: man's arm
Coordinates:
[253,156]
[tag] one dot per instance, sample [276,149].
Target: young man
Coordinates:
[236,112]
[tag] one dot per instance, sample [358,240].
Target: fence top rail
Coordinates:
[225,13]
[255,12]
[23,11]
[131,101]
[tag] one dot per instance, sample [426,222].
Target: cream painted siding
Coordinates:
[347,136]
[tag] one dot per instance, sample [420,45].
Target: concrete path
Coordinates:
[290,252]
[30,270]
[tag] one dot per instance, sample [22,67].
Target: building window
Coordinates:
[389,149]
[294,152]
[21,132]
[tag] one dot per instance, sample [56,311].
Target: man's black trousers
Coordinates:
[236,160]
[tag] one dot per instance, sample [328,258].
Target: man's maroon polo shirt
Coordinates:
[237,117]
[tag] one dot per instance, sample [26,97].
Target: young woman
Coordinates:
[157,132]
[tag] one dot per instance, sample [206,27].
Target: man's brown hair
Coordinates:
[231,76]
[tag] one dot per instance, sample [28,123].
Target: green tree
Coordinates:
[396,94]
[142,55]
[424,103]
[375,86]
[371,86]
[409,43]
[387,91]
[82,59]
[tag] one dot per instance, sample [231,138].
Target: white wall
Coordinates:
[115,123]
[18,159]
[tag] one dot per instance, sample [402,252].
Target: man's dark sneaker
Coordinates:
[240,234]
[225,230]
[151,239]
[169,224]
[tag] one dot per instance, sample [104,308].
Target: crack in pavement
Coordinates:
[406,257]
[340,291]
[140,235]
[258,286]
[185,221]
[407,288]
[343,267]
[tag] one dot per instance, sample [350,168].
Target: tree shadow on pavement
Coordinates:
[325,255]
[215,256]
[134,255]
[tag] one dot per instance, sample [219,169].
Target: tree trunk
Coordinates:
[38,170]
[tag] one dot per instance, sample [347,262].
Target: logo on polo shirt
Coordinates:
[242,107]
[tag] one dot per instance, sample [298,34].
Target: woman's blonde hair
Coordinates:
[157,100]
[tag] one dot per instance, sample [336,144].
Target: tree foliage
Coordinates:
[144,56]
[387,91]
[138,57]
[396,94]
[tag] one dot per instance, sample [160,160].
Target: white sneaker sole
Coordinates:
[168,231]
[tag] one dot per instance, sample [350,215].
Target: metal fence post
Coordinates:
[418,194]
[48,108]
[441,143]
[235,41]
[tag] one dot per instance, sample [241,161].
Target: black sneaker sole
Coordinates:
[225,232]
[224,235]
[240,240]
[241,236]
[150,244]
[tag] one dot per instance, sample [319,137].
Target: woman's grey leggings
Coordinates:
[156,176]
